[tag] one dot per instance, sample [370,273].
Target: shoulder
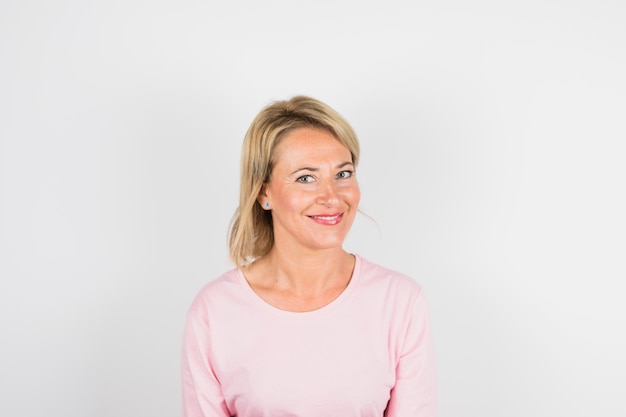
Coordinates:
[373,274]
[223,289]
[395,299]
[386,286]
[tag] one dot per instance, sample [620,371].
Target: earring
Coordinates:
[267,204]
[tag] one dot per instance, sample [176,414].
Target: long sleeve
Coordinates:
[415,391]
[202,393]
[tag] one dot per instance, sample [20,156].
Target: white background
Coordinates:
[493,165]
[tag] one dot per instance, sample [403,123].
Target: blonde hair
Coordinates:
[251,233]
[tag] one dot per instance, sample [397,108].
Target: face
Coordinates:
[313,193]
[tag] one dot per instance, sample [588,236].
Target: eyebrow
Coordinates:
[342,165]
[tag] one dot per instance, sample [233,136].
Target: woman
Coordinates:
[301,327]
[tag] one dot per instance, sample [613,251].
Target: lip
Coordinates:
[327,219]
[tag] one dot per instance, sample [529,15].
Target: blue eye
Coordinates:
[344,174]
[305,179]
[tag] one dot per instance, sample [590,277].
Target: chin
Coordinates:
[328,244]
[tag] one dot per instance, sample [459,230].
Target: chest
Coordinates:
[307,368]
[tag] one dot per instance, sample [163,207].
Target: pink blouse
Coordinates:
[368,353]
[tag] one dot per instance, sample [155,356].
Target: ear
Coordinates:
[263,198]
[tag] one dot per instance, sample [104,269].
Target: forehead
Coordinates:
[312,144]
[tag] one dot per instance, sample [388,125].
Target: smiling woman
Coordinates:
[312,192]
[301,327]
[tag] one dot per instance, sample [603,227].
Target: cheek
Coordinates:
[352,194]
[357,197]
[294,201]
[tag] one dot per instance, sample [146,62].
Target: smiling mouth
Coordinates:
[327,219]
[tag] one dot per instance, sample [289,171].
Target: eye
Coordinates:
[305,179]
[345,174]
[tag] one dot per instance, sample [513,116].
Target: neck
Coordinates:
[311,272]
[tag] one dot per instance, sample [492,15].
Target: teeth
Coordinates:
[326,217]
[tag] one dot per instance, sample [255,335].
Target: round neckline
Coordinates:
[354,278]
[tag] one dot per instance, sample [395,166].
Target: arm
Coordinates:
[415,390]
[202,393]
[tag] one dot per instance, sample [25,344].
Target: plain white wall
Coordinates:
[493,164]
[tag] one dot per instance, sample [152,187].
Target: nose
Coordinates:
[328,194]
